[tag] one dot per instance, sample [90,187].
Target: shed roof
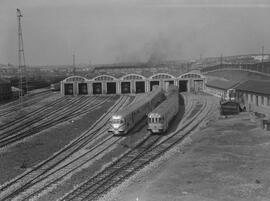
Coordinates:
[222,84]
[255,86]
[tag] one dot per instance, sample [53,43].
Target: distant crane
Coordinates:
[21,57]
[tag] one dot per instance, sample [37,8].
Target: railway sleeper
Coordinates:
[128,170]
[142,160]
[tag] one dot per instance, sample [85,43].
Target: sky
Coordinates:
[110,31]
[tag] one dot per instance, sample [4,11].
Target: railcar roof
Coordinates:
[165,104]
[139,103]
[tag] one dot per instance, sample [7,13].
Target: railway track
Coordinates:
[28,121]
[28,179]
[49,119]
[50,172]
[8,108]
[136,159]
[36,112]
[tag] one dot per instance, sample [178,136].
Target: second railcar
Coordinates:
[161,116]
[124,120]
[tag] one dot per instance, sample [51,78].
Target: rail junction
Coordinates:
[94,145]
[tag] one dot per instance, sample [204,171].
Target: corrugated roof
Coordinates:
[222,84]
[255,86]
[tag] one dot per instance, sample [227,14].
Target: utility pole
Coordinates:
[221,60]
[21,57]
[74,67]
[262,57]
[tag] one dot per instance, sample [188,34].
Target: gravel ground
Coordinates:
[226,161]
[16,159]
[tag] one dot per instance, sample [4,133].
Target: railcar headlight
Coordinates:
[116,126]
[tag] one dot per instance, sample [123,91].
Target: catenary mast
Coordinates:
[21,58]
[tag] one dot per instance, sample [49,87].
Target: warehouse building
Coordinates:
[256,95]
[5,90]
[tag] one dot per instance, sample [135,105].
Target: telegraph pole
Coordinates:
[21,57]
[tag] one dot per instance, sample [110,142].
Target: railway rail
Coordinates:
[48,119]
[29,178]
[136,159]
[14,106]
[64,163]
[36,112]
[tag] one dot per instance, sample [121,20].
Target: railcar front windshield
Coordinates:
[117,121]
[155,119]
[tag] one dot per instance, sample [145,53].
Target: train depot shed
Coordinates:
[130,83]
[219,88]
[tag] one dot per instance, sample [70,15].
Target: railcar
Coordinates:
[232,103]
[229,107]
[161,116]
[55,87]
[124,120]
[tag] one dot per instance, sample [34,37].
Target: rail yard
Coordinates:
[91,162]
[134,100]
[57,146]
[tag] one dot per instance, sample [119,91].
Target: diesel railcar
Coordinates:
[161,116]
[55,87]
[124,120]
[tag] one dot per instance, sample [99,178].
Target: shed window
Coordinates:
[262,100]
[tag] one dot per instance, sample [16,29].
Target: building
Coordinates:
[219,88]
[256,95]
[130,83]
[5,90]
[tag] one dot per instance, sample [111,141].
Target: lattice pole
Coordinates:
[21,58]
